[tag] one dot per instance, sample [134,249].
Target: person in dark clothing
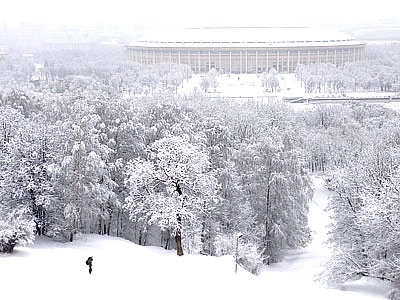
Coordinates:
[89,262]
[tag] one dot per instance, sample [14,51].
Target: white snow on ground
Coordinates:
[123,270]
[295,277]
[244,87]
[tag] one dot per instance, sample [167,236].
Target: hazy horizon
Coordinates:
[179,13]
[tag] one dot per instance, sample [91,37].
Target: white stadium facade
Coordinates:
[247,50]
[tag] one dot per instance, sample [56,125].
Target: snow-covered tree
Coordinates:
[10,120]
[365,212]
[274,179]
[15,229]
[83,178]
[25,188]
[270,80]
[173,188]
[123,134]
[24,176]
[209,80]
[162,116]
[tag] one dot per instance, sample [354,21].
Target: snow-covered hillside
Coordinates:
[122,270]
[296,276]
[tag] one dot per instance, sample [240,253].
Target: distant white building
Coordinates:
[247,50]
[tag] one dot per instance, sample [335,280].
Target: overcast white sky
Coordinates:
[186,13]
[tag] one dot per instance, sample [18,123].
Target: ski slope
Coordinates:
[123,270]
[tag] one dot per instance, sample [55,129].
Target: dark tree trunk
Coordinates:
[71,236]
[119,223]
[267,237]
[167,241]
[178,236]
[141,237]
[178,233]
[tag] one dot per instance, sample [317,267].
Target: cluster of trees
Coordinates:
[357,147]
[209,80]
[186,174]
[365,76]
[56,69]
[270,80]
[79,156]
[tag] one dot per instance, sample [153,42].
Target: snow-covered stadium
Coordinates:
[247,50]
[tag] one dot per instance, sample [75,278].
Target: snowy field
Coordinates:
[123,270]
[246,87]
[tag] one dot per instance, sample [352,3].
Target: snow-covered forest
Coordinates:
[90,143]
[379,72]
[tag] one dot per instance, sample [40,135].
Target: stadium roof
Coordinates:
[246,37]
